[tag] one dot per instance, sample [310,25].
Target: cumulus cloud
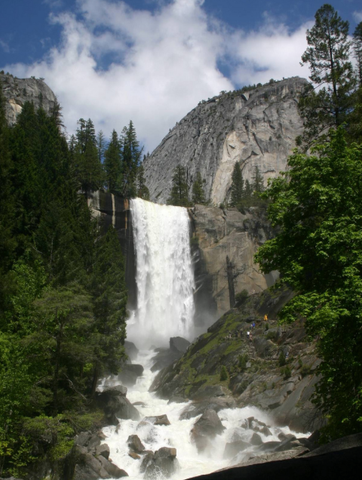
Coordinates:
[116,63]
[357,16]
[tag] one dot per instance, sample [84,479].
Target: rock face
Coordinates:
[271,367]
[17,91]
[256,128]
[218,234]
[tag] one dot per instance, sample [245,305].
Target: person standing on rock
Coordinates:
[265,317]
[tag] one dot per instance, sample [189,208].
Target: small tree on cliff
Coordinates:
[198,193]
[179,195]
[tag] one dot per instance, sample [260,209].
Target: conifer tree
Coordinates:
[131,155]
[198,193]
[142,189]
[331,72]
[237,186]
[179,194]
[112,165]
[357,48]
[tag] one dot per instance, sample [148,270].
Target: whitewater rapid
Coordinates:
[191,463]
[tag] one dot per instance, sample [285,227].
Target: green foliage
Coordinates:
[357,49]
[331,72]
[131,158]
[198,193]
[62,290]
[142,189]
[286,372]
[179,195]
[243,360]
[243,194]
[113,165]
[281,359]
[241,296]
[223,373]
[318,251]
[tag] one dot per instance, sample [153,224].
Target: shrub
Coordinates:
[241,296]
[223,374]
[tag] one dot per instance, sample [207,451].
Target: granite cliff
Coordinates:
[255,127]
[17,91]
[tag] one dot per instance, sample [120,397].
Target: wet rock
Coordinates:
[161,463]
[135,444]
[112,469]
[256,439]
[103,450]
[131,350]
[199,407]
[116,405]
[179,344]
[158,420]
[205,429]
[134,455]
[129,374]
[233,448]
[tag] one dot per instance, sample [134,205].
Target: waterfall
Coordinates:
[164,274]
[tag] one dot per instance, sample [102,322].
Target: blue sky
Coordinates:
[152,61]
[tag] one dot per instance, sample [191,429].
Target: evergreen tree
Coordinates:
[198,193]
[101,145]
[179,195]
[110,306]
[131,155]
[357,48]
[331,73]
[113,165]
[237,186]
[258,181]
[87,167]
[142,189]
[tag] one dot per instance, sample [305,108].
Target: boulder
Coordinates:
[135,444]
[131,350]
[129,374]
[179,344]
[162,463]
[116,405]
[158,420]
[205,429]
[103,450]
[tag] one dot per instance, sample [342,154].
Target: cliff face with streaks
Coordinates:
[256,128]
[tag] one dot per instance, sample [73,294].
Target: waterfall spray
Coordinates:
[164,274]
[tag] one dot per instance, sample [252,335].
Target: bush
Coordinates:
[281,360]
[243,360]
[241,296]
[223,374]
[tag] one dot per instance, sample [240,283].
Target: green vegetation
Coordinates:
[179,195]
[62,289]
[223,374]
[243,194]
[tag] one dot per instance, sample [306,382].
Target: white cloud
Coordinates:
[163,63]
[357,16]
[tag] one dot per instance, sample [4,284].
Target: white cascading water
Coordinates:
[164,274]
[165,309]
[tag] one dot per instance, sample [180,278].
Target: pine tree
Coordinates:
[198,193]
[237,186]
[131,155]
[331,72]
[113,165]
[88,168]
[258,181]
[179,195]
[142,189]
[110,305]
[357,48]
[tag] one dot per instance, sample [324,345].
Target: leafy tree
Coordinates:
[317,206]
[179,195]
[198,193]
[327,101]
[113,165]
